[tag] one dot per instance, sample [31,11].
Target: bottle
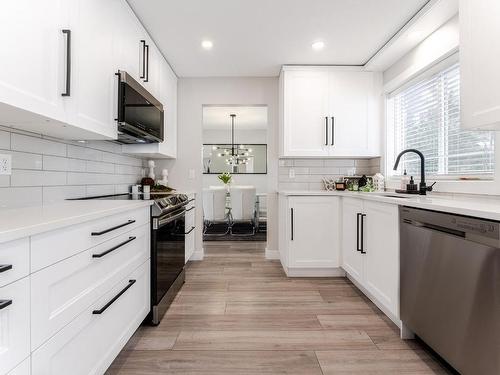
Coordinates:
[412,186]
[404,180]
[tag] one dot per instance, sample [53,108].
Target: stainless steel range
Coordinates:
[168,232]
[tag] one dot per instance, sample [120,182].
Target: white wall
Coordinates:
[436,47]
[193,93]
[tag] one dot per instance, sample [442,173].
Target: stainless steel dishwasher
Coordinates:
[450,287]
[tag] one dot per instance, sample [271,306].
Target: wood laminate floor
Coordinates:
[238,313]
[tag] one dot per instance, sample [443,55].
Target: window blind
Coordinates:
[426,116]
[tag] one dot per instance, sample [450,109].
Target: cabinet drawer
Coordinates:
[14,260]
[62,291]
[14,324]
[24,368]
[89,343]
[49,248]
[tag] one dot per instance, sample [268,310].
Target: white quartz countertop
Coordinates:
[480,206]
[27,221]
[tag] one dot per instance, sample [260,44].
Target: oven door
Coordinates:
[167,253]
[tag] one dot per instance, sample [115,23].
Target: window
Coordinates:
[426,116]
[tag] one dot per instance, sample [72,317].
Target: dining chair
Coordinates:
[214,210]
[243,207]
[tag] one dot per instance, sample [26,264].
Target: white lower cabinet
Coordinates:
[370,249]
[190,228]
[310,244]
[89,344]
[60,292]
[14,324]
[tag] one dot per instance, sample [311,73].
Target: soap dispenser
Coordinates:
[404,181]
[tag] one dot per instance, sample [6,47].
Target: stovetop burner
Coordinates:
[163,202]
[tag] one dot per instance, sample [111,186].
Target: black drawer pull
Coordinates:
[4,303]
[190,208]
[5,267]
[112,229]
[104,308]
[143,74]
[100,255]
[67,91]
[189,231]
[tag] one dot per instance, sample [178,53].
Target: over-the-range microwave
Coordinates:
[140,114]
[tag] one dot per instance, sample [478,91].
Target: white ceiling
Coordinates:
[256,37]
[248,118]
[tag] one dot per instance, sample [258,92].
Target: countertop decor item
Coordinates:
[147,181]
[164,178]
[151,165]
[329,184]
[379,182]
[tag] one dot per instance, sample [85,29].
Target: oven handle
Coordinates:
[170,218]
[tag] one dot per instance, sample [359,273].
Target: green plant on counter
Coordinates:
[225,177]
[368,188]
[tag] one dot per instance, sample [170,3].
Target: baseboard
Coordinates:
[384,309]
[198,255]
[272,254]
[314,272]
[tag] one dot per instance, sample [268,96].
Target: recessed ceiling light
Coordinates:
[207,44]
[318,46]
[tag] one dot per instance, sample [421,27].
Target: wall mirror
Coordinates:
[235,139]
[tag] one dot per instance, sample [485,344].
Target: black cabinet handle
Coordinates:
[4,303]
[100,255]
[362,247]
[333,130]
[68,62]
[112,229]
[105,307]
[326,131]
[190,208]
[189,231]
[143,75]
[146,78]
[357,231]
[291,224]
[5,267]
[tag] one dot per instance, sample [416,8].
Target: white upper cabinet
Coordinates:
[93,98]
[329,112]
[58,70]
[479,72]
[33,59]
[305,113]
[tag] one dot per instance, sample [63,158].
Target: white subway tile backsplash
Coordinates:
[53,194]
[4,140]
[56,163]
[24,160]
[20,196]
[309,173]
[4,180]
[308,163]
[95,190]
[22,177]
[339,163]
[100,167]
[85,153]
[20,142]
[47,169]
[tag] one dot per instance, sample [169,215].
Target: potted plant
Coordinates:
[225,178]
